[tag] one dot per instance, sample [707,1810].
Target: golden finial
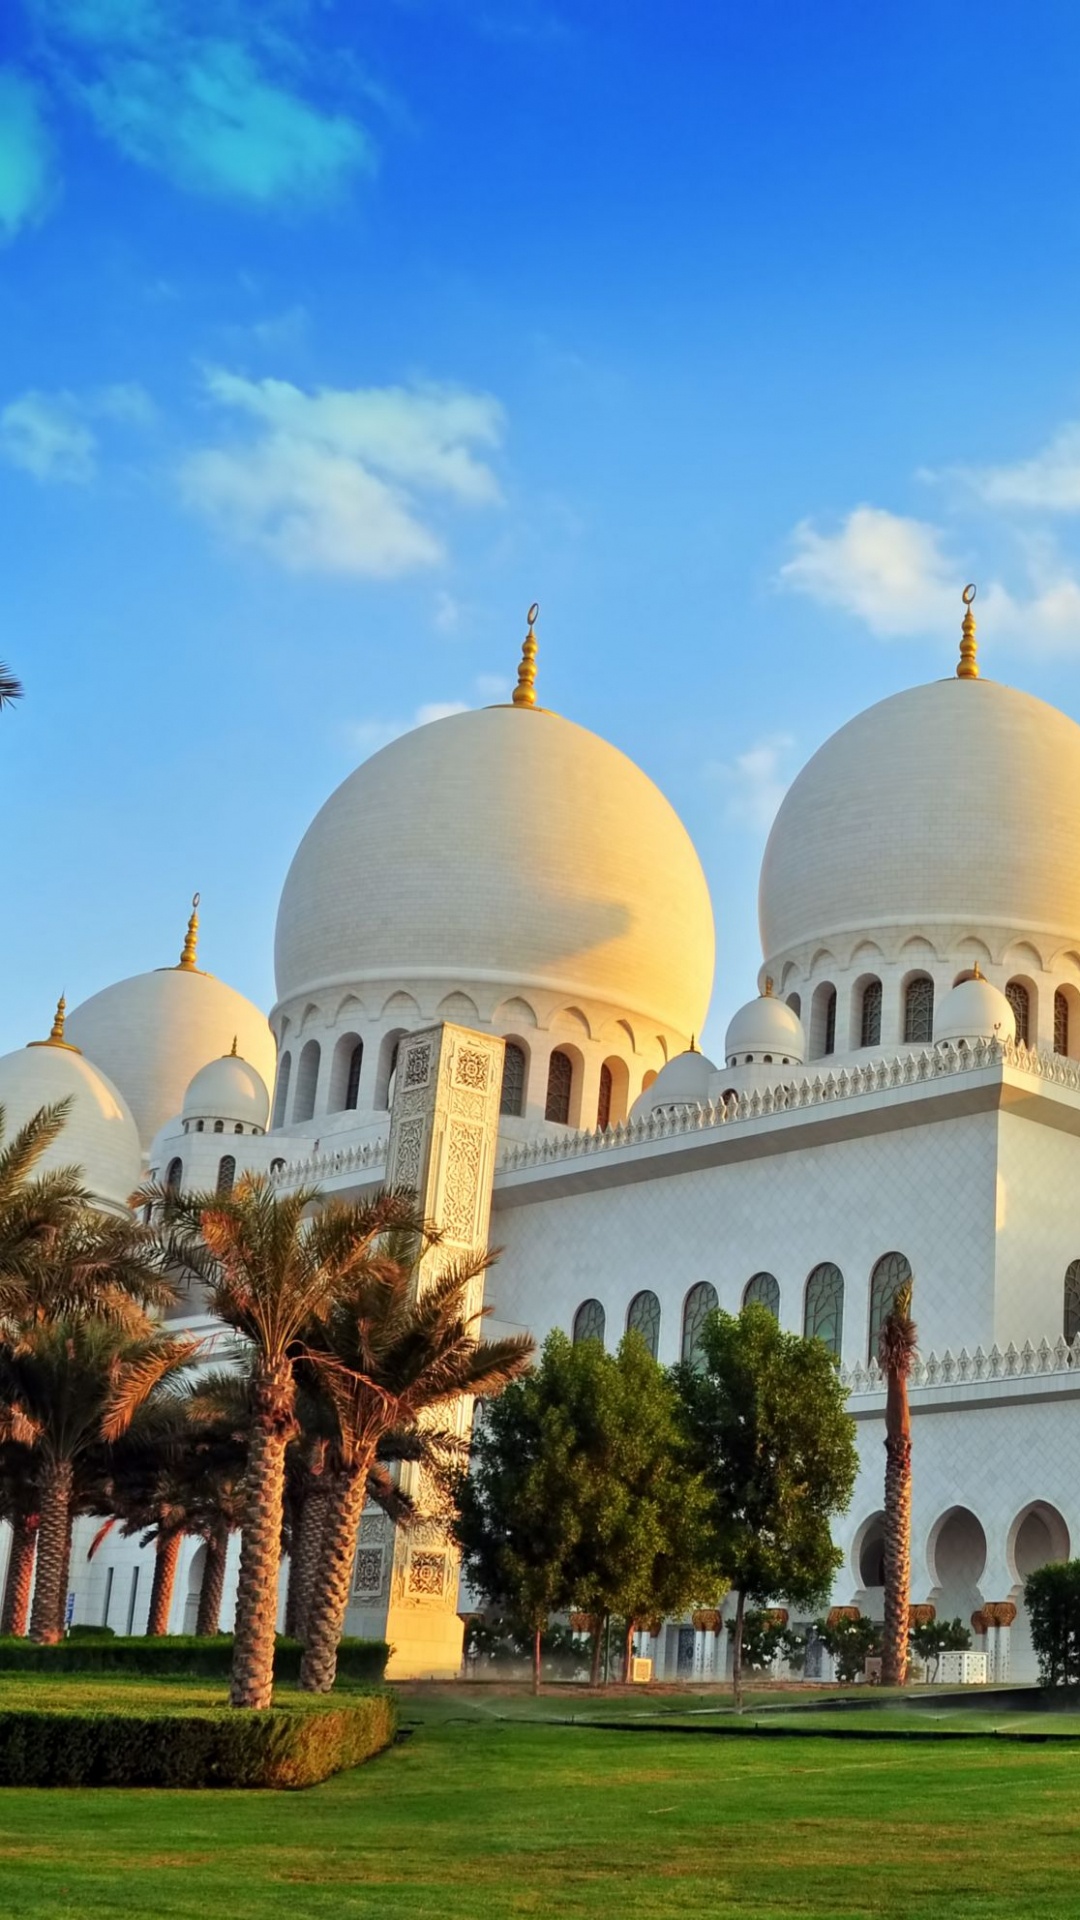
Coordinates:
[191,939]
[768,986]
[968,668]
[978,973]
[693,1047]
[232,1050]
[56,1034]
[525,691]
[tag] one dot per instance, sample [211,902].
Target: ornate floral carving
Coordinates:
[427,1573]
[417,1065]
[368,1572]
[472,1068]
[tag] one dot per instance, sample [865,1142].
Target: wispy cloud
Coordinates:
[1049,481]
[342,480]
[370,734]
[51,435]
[889,571]
[45,435]
[756,781]
[28,173]
[220,100]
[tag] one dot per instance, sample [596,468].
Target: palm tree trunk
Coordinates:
[53,1539]
[260,1543]
[736,1651]
[326,1616]
[166,1559]
[20,1576]
[894,1645]
[65,1578]
[213,1580]
[628,1652]
[304,1571]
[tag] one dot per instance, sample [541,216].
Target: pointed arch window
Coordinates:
[1061,1022]
[512,1098]
[281,1094]
[890,1273]
[870,1022]
[226,1173]
[174,1175]
[794,1001]
[603,1105]
[701,1300]
[643,1317]
[1071,1326]
[919,1011]
[823,1318]
[589,1322]
[559,1088]
[1019,1000]
[352,1084]
[830,1023]
[763,1290]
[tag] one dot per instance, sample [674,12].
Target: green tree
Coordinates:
[850,1643]
[770,1434]
[896,1350]
[933,1638]
[1052,1598]
[271,1268]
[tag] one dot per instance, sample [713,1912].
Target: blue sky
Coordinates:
[333,334]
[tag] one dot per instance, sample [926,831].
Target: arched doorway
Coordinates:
[868,1556]
[1037,1535]
[194,1587]
[956,1556]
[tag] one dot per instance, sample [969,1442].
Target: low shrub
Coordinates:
[358,1660]
[293,1745]
[91,1633]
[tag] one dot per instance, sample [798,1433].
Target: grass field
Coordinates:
[491,1809]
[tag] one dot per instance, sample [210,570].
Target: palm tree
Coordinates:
[10,688]
[76,1381]
[30,1205]
[896,1348]
[87,1263]
[270,1272]
[385,1357]
[19,1506]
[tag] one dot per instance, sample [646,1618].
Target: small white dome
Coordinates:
[153,1032]
[765,1027]
[974,1010]
[100,1136]
[683,1082]
[228,1089]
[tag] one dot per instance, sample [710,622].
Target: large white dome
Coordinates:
[100,1136]
[954,805]
[507,847]
[152,1033]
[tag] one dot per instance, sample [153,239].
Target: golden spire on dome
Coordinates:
[768,993]
[187,961]
[968,668]
[56,1034]
[232,1050]
[525,691]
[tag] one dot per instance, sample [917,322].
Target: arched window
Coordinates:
[343,1087]
[589,1322]
[512,1098]
[823,1021]
[307,1079]
[891,1272]
[282,1092]
[239,1127]
[352,1084]
[226,1173]
[559,1088]
[794,1001]
[823,1318]
[174,1175]
[919,1011]
[700,1302]
[1061,1022]
[277,1167]
[643,1317]
[219,1126]
[199,1125]
[763,1291]
[870,1020]
[603,1105]
[1019,1000]
[1072,1301]
[830,1023]
[384,1079]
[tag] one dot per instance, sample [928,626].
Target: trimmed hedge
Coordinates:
[358,1660]
[287,1746]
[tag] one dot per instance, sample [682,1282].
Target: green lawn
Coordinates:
[490,1809]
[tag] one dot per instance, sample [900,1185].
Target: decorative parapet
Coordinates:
[875,1077]
[954,1369]
[326,1166]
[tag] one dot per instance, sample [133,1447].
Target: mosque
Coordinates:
[494,950]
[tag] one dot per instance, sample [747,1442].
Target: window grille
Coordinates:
[560,1084]
[512,1098]
[824,1315]
[919,1011]
[1020,1001]
[763,1290]
[701,1300]
[1061,1022]
[644,1317]
[1072,1301]
[870,1026]
[226,1173]
[890,1273]
[603,1105]
[830,1023]
[589,1322]
[352,1085]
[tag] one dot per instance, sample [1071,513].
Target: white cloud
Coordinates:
[1049,481]
[493,688]
[334,481]
[369,735]
[126,401]
[45,435]
[882,567]
[448,611]
[756,781]
[27,159]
